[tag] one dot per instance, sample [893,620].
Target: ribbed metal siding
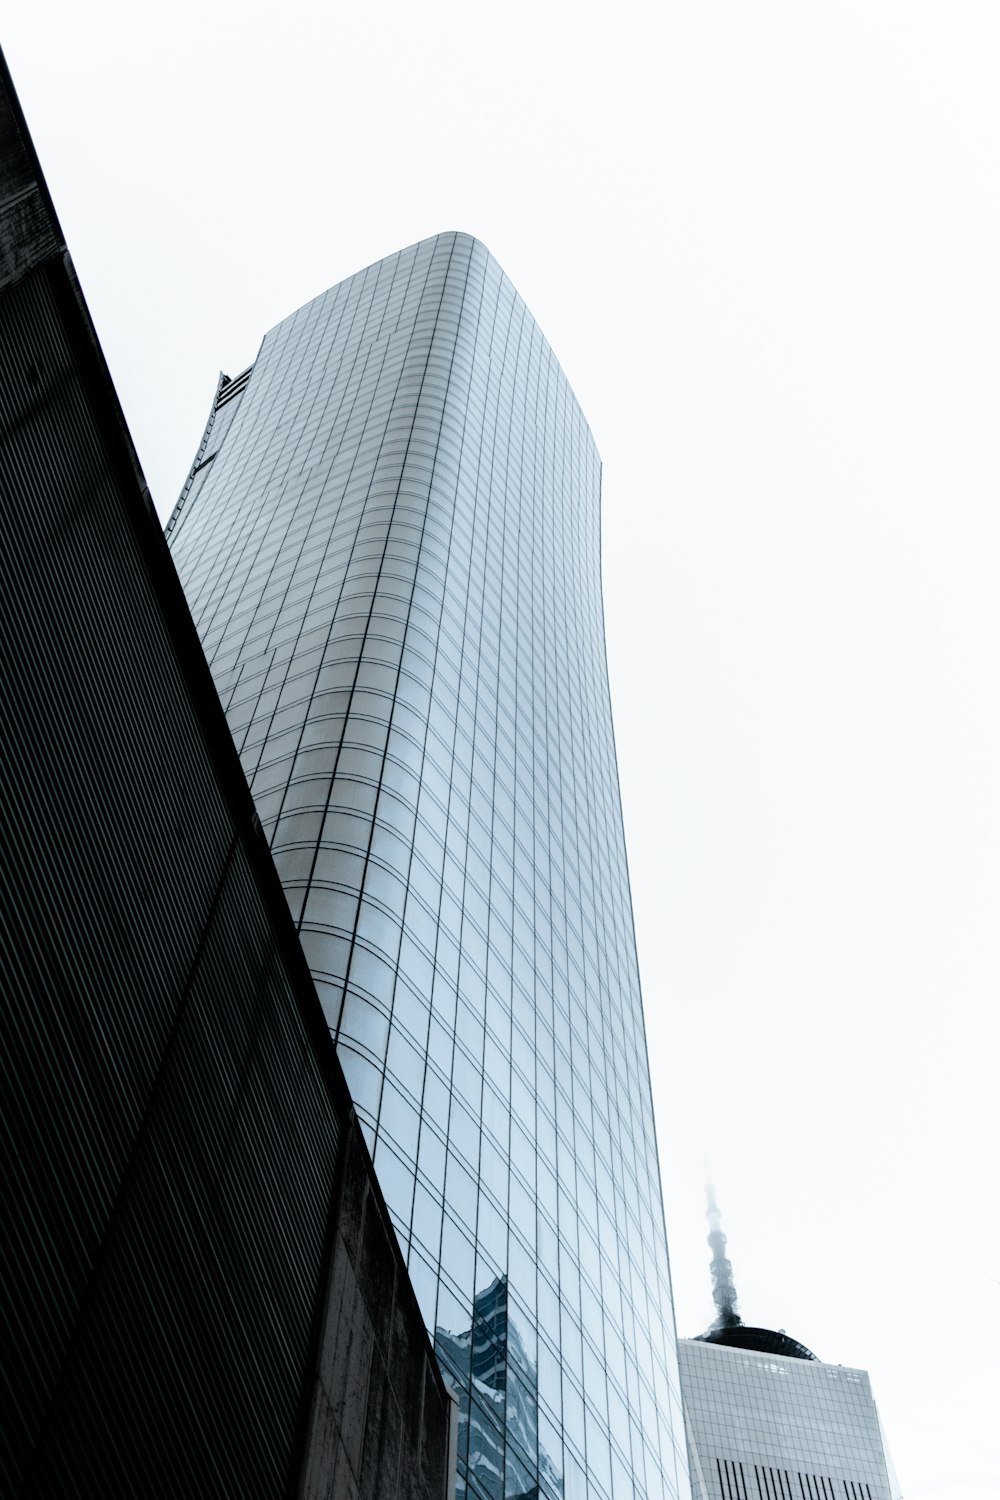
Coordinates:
[168,1139]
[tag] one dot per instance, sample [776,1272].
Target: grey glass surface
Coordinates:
[763,1427]
[392,551]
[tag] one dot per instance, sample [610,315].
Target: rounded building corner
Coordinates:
[423,497]
[465,237]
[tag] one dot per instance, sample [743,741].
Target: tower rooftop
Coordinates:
[760,1340]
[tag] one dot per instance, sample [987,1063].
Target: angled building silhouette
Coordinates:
[200,1289]
[390,543]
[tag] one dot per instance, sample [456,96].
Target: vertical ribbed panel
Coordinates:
[188,1304]
[169,1140]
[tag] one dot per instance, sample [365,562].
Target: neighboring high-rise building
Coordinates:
[769,1423]
[200,1290]
[390,541]
[766,1420]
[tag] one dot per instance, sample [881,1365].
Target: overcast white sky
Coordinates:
[764,241]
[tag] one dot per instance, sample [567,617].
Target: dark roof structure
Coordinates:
[729,1328]
[760,1340]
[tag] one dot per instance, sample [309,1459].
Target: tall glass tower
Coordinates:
[765,1419]
[390,541]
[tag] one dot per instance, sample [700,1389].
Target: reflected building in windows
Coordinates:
[390,542]
[498,1408]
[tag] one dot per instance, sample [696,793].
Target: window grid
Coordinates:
[394,564]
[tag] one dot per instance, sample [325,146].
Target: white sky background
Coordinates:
[764,241]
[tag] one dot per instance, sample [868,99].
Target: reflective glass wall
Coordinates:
[764,1427]
[390,541]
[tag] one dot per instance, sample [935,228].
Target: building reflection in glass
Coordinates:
[497,1387]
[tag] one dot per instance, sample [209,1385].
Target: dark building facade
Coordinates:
[390,542]
[200,1289]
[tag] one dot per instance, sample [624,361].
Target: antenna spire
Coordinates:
[723,1287]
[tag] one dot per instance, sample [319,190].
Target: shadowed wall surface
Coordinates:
[183,1180]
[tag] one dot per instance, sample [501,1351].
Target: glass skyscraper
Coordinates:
[765,1419]
[390,542]
[766,1422]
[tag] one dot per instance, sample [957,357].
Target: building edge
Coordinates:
[33,252]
